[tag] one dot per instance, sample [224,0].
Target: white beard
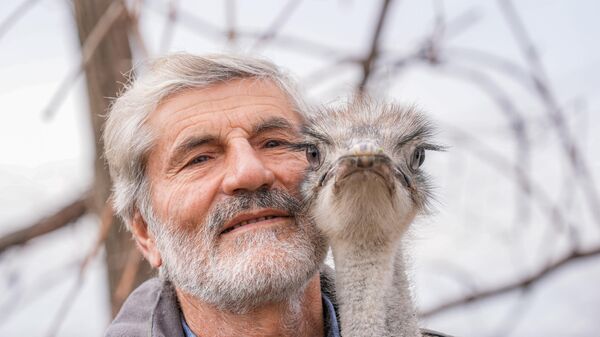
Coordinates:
[270,264]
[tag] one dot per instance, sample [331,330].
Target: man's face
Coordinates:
[224,188]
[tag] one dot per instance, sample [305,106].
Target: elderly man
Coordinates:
[205,181]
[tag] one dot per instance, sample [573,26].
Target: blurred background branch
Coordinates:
[65,216]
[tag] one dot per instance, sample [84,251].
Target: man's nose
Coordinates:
[245,170]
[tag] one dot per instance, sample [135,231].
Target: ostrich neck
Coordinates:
[373,292]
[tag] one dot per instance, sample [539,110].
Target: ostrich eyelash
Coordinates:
[298,147]
[433,147]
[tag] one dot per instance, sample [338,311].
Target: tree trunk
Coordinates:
[104,77]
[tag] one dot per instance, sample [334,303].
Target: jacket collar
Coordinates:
[152,310]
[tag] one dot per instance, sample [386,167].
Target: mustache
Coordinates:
[244,201]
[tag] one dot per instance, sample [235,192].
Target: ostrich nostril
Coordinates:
[365,148]
[365,154]
[365,161]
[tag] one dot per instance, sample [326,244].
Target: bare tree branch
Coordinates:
[22,296]
[133,14]
[514,315]
[527,186]
[210,31]
[553,109]
[193,22]
[369,61]
[428,50]
[63,217]
[519,74]
[88,49]
[517,125]
[524,283]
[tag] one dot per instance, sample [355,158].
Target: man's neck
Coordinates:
[302,317]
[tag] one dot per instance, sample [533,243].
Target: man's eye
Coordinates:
[199,160]
[273,143]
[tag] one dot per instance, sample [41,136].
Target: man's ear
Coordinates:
[145,240]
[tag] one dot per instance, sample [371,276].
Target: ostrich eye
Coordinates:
[313,156]
[418,157]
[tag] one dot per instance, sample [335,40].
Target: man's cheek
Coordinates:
[297,163]
[292,177]
[186,208]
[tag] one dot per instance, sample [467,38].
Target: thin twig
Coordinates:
[424,50]
[298,43]
[276,25]
[517,125]
[65,306]
[460,23]
[431,49]
[509,170]
[230,19]
[519,74]
[514,314]
[195,23]
[133,16]
[555,114]
[22,297]
[451,270]
[105,224]
[215,34]
[373,54]
[169,30]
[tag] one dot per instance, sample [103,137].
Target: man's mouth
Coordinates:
[254,219]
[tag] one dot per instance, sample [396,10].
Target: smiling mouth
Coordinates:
[254,221]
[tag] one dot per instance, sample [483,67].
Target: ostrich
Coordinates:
[364,187]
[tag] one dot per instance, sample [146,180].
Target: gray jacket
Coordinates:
[152,310]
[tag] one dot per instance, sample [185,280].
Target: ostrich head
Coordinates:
[365,180]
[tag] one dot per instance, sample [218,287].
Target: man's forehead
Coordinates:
[230,99]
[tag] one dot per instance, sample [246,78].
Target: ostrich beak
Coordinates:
[365,160]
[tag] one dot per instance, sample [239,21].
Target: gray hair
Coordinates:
[127,139]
